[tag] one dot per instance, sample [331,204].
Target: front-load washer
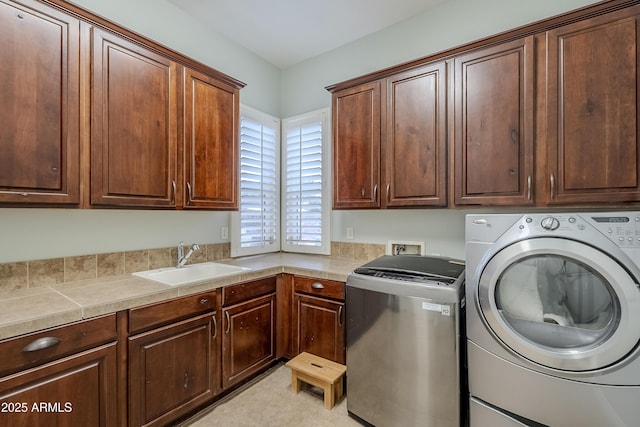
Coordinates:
[553,319]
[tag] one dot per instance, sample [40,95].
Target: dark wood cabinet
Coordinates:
[40,104]
[356,147]
[134,123]
[211,147]
[319,318]
[414,138]
[390,141]
[249,334]
[173,368]
[76,391]
[592,110]
[65,376]
[494,123]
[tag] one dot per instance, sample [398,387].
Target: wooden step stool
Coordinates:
[319,372]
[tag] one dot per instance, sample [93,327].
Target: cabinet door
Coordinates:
[76,391]
[592,110]
[172,370]
[211,142]
[134,124]
[493,106]
[356,147]
[414,135]
[40,104]
[320,327]
[248,342]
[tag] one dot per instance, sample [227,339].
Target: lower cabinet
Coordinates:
[173,368]
[61,377]
[161,362]
[318,318]
[248,338]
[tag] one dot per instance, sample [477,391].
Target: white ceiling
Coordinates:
[286,32]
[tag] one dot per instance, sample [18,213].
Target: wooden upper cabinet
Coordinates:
[414,138]
[40,104]
[592,110]
[494,99]
[356,147]
[211,142]
[134,124]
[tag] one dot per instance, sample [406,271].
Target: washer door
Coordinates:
[561,304]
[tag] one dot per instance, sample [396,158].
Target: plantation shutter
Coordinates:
[259,186]
[305,219]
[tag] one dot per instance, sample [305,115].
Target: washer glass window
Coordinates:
[557,302]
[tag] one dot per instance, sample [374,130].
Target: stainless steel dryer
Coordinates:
[553,319]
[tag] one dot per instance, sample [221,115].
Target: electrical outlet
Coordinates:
[224,233]
[350,233]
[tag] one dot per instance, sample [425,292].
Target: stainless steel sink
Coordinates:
[191,273]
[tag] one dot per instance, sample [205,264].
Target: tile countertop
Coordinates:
[30,310]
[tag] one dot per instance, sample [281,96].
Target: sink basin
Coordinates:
[174,276]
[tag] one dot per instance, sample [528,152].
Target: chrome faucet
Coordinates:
[182,258]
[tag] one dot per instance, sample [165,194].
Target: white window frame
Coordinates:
[290,123]
[236,248]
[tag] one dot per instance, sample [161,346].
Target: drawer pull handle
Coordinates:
[317,285]
[340,322]
[226,314]
[203,301]
[41,343]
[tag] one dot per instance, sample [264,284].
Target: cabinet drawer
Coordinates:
[243,291]
[40,347]
[319,287]
[163,313]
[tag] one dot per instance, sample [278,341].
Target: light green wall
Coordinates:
[167,24]
[450,24]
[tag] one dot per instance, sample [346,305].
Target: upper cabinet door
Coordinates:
[356,147]
[494,100]
[39,104]
[211,143]
[592,110]
[414,135]
[134,124]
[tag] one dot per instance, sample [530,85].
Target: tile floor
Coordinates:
[268,402]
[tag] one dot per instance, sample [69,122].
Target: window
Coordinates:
[305,218]
[255,226]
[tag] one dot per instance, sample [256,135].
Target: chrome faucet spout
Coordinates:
[182,259]
[180,251]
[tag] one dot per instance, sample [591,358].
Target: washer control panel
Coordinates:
[622,228]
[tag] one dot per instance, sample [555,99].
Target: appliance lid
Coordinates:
[414,268]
